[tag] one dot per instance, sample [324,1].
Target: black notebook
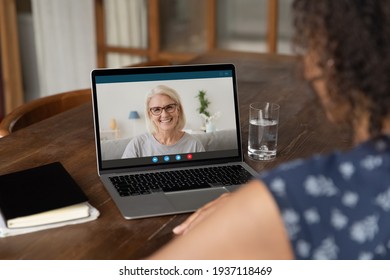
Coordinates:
[41,195]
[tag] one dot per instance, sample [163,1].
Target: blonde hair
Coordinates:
[171,93]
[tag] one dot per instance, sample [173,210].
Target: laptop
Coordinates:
[146,177]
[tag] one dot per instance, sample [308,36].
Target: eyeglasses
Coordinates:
[157,111]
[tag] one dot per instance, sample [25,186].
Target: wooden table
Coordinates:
[69,138]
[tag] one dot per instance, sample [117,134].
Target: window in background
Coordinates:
[183,26]
[242,25]
[178,30]
[285,24]
[126,27]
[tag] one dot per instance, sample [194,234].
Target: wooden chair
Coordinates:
[42,108]
[45,107]
[158,62]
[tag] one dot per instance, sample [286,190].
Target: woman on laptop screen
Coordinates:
[165,120]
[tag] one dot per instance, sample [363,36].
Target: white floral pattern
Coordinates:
[383,200]
[303,248]
[337,206]
[327,250]
[278,186]
[365,256]
[364,230]
[291,220]
[320,186]
[312,216]
[347,169]
[381,145]
[338,219]
[381,250]
[371,162]
[350,199]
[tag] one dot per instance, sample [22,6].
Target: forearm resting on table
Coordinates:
[246,225]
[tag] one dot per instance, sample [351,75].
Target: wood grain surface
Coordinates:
[69,138]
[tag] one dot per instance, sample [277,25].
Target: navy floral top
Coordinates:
[336,206]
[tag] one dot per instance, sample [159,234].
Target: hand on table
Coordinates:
[200,214]
[245,224]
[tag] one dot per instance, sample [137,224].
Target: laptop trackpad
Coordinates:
[192,200]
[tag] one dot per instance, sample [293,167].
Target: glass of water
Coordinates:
[263,130]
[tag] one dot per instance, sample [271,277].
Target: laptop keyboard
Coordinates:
[179,180]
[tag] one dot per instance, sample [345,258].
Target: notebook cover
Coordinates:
[38,190]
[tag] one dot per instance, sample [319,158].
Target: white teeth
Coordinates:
[165,121]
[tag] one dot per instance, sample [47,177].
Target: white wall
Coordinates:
[126,26]
[116,100]
[28,57]
[65,43]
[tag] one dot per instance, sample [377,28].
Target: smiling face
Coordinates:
[166,121]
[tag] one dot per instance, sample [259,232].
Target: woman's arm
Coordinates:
[244,225]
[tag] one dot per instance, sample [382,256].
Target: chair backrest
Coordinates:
[45,107]
[42,108]
[158,62]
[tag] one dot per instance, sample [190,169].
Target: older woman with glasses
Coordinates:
[165,120]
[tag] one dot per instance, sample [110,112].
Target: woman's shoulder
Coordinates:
[187,137]
[190,138]
[191,143]
[359,161]
[141,138]
[332,198]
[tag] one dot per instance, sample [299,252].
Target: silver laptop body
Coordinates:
[119,105]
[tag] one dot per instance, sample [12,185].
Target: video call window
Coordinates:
[135,111]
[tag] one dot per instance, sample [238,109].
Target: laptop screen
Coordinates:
[164,116]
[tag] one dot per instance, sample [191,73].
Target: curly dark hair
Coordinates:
[354,35]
